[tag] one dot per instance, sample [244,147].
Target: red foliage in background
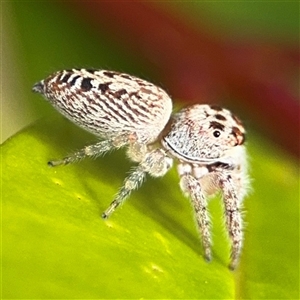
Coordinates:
[196,67]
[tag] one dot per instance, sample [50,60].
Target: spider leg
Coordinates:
[233,216]
[131,182]
[190,185]
[91,150]
[156,163]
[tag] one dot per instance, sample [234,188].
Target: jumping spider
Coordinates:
[206,141]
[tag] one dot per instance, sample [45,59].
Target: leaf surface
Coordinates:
[55,244]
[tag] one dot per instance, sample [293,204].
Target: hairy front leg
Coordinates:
[233,216]
[156,163]
[191,186]
[132,182]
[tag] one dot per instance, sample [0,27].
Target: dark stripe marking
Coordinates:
[240,137]
[73,81]
[119,93]
[103,87]
[125,76]
[86,84]
[220,117]
[216,125]
[92,71]
[59,77]
[214,166]
[109,74]
[66,78]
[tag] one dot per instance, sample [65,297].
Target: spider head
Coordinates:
[203,133]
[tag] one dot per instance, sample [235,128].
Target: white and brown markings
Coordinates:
[206,142]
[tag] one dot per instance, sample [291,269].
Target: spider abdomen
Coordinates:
[108,104]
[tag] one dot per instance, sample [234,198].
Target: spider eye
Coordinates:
[216,133]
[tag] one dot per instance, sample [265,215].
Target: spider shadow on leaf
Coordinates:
[156,197]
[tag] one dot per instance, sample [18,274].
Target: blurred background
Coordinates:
[243,55]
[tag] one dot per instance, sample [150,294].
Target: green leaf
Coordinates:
[55,244]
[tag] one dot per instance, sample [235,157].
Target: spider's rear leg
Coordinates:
[191,186]
[88,151]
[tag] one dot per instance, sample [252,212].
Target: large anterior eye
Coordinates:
[217,133]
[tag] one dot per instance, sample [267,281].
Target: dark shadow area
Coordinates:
[63,136]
